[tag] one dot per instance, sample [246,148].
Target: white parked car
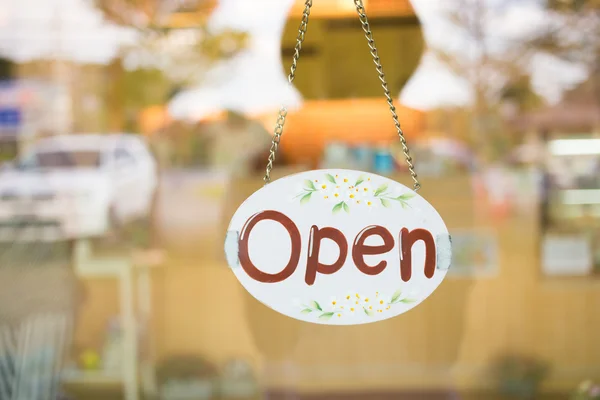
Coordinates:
[76,186]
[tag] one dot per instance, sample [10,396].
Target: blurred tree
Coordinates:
[144,88]
[487,72]
[150,14]
[581,46]
[131,91]
[579,17]
[454,121]
[518,95]
[172,43]
[572,5]
[173,36]
[497,67]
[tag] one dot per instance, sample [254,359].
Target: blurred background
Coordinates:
[131,130]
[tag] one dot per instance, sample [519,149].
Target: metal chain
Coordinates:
[283,110]
[360,9]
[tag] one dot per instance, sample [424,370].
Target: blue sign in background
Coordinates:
[10,117]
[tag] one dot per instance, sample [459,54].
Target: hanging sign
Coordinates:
[338,247]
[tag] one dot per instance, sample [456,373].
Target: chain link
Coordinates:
[283,110]
[360,9]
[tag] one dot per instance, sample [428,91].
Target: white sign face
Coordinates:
[338,247]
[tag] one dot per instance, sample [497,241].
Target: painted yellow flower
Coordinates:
[381,302]
[327,191]
[351,299]
[351,196]
[334,303]
[365,190]
[379,311]
[339,315]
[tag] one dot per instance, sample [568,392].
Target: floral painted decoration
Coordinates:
[344,193]
[354,303]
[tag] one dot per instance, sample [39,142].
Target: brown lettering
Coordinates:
[407,240]
[313,266]
[244,255]
[360,249]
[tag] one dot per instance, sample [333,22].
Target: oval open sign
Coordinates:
[338,247]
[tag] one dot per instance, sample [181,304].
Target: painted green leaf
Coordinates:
[330,178]
[306,198]
[359,181]
[396,297]
[381,189]
[338,207]
[315,305]
[385,203]
[326,315]
[408,301]
[369,313]
[346,208]
[310,185]
[306,311]
[405,197]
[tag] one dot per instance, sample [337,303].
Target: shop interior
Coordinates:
[154,310]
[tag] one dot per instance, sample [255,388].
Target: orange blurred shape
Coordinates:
[346,8]
[153,119]
[354,122]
